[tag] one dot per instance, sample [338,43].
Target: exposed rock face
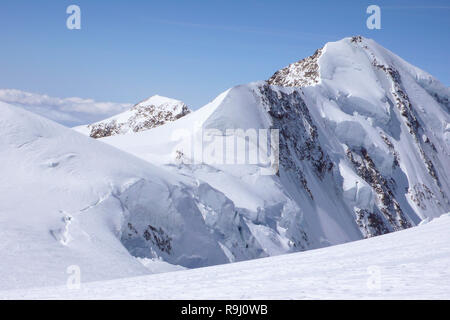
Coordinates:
[299,74]
[298,134]
[409,117]
[388,215]
[145,115]
[423,143]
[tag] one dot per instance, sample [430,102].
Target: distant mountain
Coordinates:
[150,113]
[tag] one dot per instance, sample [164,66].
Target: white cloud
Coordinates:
[67,111]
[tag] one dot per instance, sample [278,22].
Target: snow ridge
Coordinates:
[150,113]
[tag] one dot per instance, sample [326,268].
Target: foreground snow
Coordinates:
[409,264]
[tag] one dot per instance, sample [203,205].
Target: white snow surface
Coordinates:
[409,264]
[67,199]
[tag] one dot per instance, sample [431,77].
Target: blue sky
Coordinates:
[193,50]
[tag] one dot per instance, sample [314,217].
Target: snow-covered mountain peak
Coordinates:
[299,74]
[311,70]
[384,112]
[147,114]
[352,55]
[363,147]
[161,102]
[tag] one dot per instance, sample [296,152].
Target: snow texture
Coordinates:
[409,264]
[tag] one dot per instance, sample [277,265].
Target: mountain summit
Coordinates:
[363,147]
[147,114]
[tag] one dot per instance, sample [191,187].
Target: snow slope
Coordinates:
[363,139]
[67,199]
[409,264]
[147,114]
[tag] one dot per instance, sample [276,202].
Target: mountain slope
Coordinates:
[409,264]
[68,200]
[363,148]
[147,114]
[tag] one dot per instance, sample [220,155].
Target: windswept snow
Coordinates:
[409,264]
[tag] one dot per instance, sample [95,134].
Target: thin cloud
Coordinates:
[67,111]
